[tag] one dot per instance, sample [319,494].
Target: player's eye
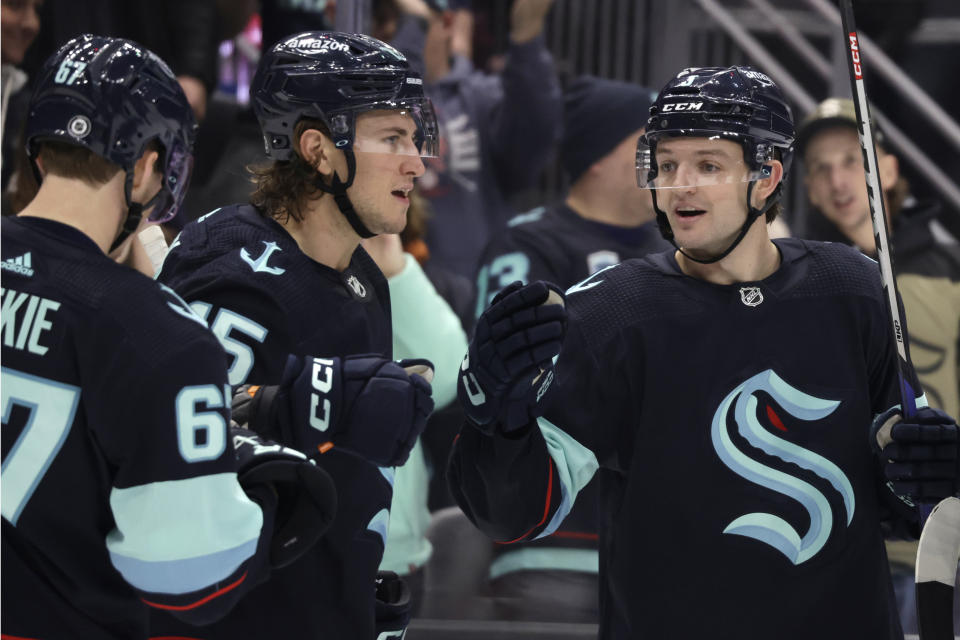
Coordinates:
[667,167]
[709,167]
[392,140]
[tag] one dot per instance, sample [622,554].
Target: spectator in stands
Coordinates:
[603,220]
[497,131]
[926,259]
[19,23]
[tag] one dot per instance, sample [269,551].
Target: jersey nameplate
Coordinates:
[25,331]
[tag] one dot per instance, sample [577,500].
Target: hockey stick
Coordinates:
[937,558]
[878,212]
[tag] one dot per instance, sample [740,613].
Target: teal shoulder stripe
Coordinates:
[182,519]
[575,464]
[379,524]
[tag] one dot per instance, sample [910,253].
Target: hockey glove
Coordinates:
[365,404]
[920,455]
[509,363]
[392,605]
[306,497]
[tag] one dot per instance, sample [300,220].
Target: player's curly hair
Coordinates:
[283,187]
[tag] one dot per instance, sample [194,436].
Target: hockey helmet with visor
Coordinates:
[115,97]
[737,103]
[334,78]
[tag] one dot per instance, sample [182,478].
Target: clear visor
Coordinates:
[176,179]
[408,129]
[692,167]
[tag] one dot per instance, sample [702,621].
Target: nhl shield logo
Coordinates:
[751,296]
[357,286]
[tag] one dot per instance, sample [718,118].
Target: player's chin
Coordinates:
[394,223]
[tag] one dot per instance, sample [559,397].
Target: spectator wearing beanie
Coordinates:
[604,219]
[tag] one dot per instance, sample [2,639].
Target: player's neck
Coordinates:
[604,205]
[324,233]
[97,212]
[755,258]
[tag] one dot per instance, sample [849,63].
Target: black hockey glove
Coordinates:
[920,455]
[392,606]
[367,405]
[509,363]
[306,500]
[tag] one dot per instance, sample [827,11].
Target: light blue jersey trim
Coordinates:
[921,403]
[178,536]
[379,524]
[533,559]
[182,576]
[575,464]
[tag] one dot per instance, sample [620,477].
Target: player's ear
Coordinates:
[145,168]
[316,149]
[766,186]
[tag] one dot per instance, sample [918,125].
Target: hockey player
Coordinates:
[604,219]
[119,483]
[734,394]
[345,122]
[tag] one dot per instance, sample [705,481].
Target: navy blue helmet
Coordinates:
[332,77]
[736,103]
[114,97]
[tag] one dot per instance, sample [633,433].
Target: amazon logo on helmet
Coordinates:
[331,77]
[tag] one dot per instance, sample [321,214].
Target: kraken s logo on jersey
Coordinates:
[765,527]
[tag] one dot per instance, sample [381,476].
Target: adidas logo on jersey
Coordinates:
[21,265]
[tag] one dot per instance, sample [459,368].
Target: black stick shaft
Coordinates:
[878,211]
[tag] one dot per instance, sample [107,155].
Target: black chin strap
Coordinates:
[134,214]
[752,214]
[338,189]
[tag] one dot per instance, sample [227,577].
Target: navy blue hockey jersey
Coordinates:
[119,484]
[740,497]
[264,299]
[559,246]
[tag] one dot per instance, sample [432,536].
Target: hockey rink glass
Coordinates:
[176,179]
[402,128]
[688,163]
